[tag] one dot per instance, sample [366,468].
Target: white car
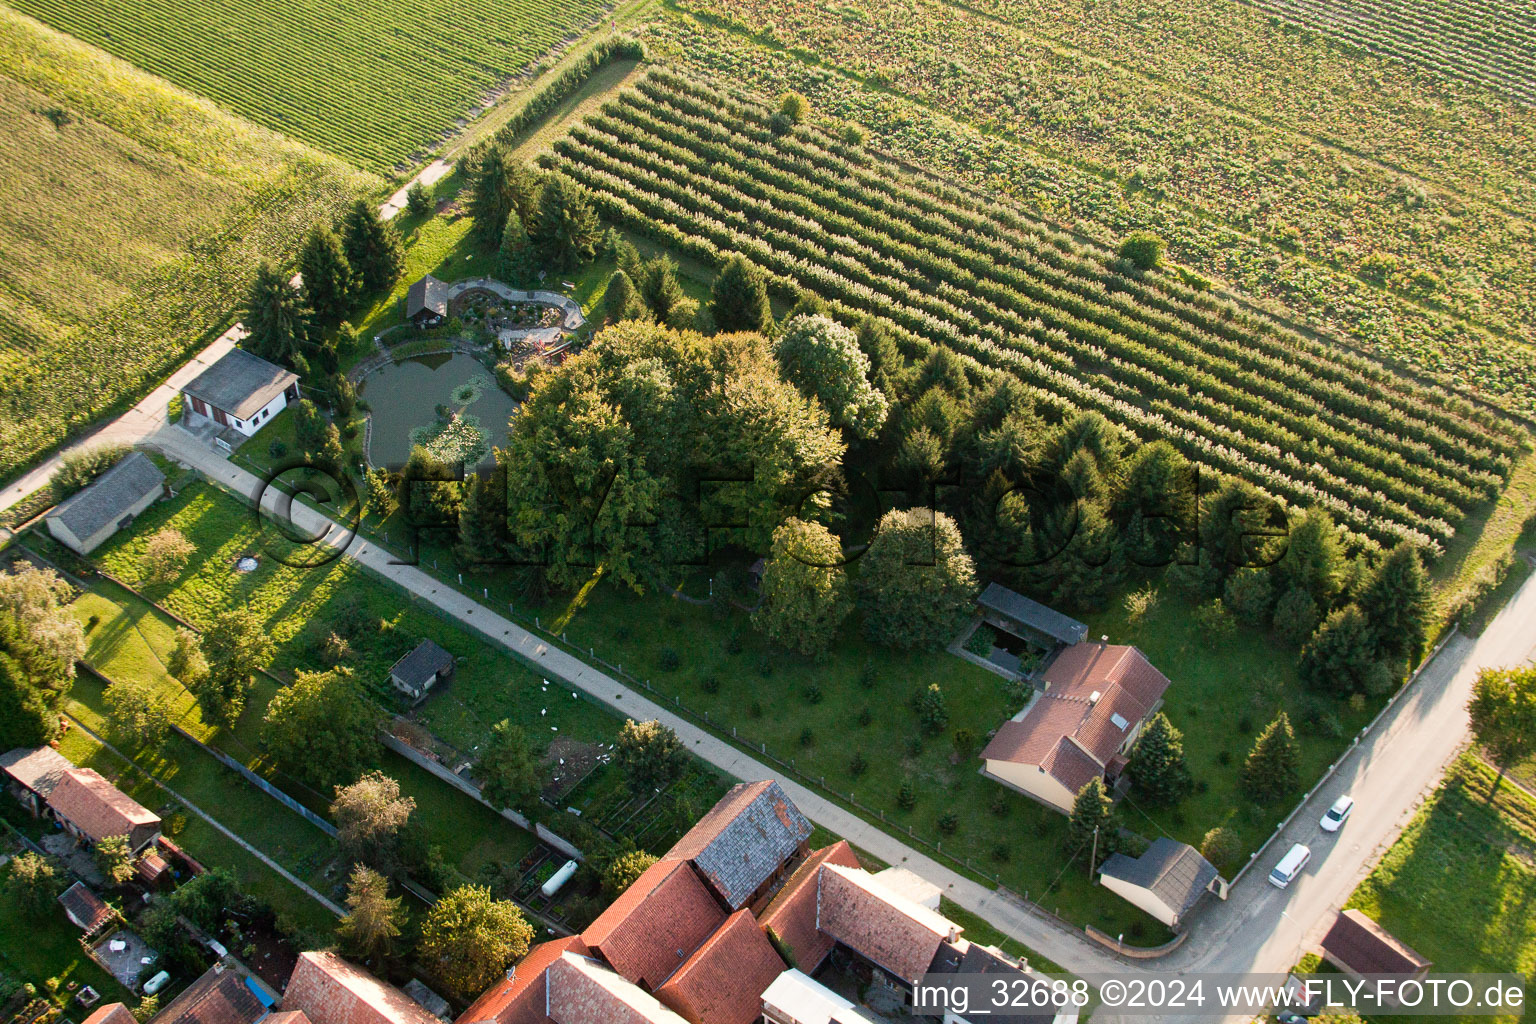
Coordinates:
[1338,814]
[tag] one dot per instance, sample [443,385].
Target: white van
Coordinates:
[1290,866]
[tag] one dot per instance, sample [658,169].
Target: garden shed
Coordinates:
[415,674]
[426,302]
[1166,881]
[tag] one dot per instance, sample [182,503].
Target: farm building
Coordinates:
[111,1013]
[85,909]
[426,302]
[1167,881]
[1026,632]
[239,393]
[1097,697]
[415,674]
[88,517]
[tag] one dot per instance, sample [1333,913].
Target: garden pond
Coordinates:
[448,403]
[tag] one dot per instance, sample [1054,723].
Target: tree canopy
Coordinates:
[371,818]
[275,316]
[373,247]
[739,298]
[469,938]
[805,590]
[650,755]
[323,729]
[1503,711]
[823,359]
[509,770]
[915,583]
[1272,770]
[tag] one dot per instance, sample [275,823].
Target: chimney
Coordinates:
[954,934]
[1093,698]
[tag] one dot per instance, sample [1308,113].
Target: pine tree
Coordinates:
[1272,770]
[276,316]
[1157,765]
[1314,558]
[1340,654]
[886,363]
[1396,601]
[482,523]
[739,298]
[622,300]
[513,261]
[1093,820]
[565,229]
[373,247]
[327,276]
[509,769]
[498,187]
[659,287]
[374,918]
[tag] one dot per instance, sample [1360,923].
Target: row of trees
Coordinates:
[40,641]
[536,220]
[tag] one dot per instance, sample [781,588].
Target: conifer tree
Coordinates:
[1093,820]
[327,276]
[565,229]
[513,261]
[1157,766]
[373,247]
[276,316]
[1272,770]
[1396,602]
[622,301]
[739,298]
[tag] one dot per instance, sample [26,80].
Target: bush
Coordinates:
[1143,249]
[710,684]
[868,675]
[866,716]
[794,106]
[669,660]
[858,766]
[906,796]
[999,804]
[78,469]
[1222,847]
[807,737]
[813,694]
[418,200]
[949,821]
[1001,853]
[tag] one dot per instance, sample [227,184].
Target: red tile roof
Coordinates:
[99,809]
[214,998]
[582,991]
[1356,943]
[519,999]
[85,908]
[332,991]
[791,914]
[287,1017]
[655,924]
[723,982]
[1097,694]
[110,1013]
[885,928]
[38,770]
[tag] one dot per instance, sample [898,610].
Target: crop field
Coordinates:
[1093,202]
[375,82]
[131,215]
[1448,249]
[702,171]
[1488,44]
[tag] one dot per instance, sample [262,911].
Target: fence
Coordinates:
[468,788]
[265,786]
[1333,769]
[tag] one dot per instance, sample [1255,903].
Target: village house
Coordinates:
[86,805]
[423,668]
[82,521]
[1096,698]
[1359,946]
[329,990]
[426,302]
[239,394]
[1167,881]
[731,926]
[219,996]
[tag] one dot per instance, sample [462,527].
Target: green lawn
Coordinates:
[1460,883]
[38,949]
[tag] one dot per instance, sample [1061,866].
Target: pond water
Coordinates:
[403,398]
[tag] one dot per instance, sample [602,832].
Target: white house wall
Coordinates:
[271,409]
[1030,780]
[1140,897]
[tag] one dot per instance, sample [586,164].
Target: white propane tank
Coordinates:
[558,879]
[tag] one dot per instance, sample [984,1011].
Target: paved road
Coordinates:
[1259,928]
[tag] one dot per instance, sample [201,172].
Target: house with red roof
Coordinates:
[330,990]
[656,924]
[723,981]
[1081,726]
[87,806]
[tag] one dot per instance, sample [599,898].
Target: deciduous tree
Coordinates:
[165,555]
[371,818]
[186,661]
[915,583]
[114,859]
[822,358]
[323,728]
[622,871]
[138,712]
[1503,710]
[236,647]
[34,884]
[805,591]
[468,939]
[36,627]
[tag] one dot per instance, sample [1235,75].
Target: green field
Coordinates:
[701,170]
[1458,884]
[377,83]
[131,214]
